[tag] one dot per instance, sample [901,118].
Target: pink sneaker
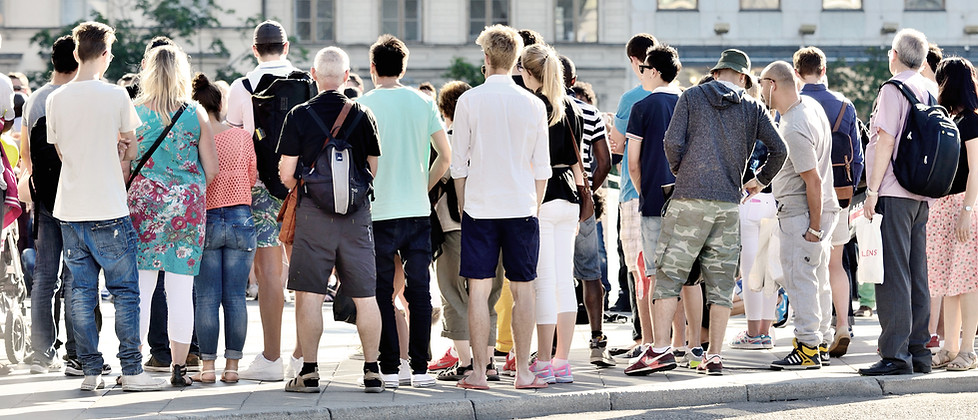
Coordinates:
[509,368]
[563,374]
[544,371]
[446,361]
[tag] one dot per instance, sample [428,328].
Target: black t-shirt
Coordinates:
[302,137]
[968,128]
[561,185]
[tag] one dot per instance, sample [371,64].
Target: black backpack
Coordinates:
[930,145]
[334,181]
[46,166]
[271,100]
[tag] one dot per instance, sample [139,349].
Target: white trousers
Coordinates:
[555,268]
[757,305]
[179,304]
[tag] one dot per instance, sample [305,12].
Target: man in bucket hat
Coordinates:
[709,139]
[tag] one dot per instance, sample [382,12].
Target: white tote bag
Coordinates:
[766,271]
[869,239]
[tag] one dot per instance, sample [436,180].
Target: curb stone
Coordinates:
[928,383]
[650,397]
[541,404]
[807,388]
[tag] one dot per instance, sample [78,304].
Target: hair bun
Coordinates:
[200,81]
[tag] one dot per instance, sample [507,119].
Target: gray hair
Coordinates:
[331,63]
[911,47]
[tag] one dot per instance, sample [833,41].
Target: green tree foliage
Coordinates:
[860,82]
[465,71]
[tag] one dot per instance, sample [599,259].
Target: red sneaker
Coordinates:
[509,368]
[934,342]
[650,361]
[446,361]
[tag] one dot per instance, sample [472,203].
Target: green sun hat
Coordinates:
[735,60]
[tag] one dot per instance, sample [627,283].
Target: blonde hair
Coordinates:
[501,44]
[541,62]
[165,82]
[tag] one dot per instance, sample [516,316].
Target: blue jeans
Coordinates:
[110,246]
[229,250]
[411,239]
[47,288]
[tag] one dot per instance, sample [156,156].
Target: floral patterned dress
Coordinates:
[166,200]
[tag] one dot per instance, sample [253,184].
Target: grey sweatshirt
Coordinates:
[711,136]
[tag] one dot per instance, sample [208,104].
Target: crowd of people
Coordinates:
[175,188]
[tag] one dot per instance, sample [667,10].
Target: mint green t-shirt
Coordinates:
[406,119]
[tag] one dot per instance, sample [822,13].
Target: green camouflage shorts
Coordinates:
[703,232]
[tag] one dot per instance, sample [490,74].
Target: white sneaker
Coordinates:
[404,373]
[39,368]
[141,382]
[261,369]
[92,383]
[390,381]
[294,367]
[422,380]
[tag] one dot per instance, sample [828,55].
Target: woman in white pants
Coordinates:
[556,302]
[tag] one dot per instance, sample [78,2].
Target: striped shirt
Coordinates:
[594,130]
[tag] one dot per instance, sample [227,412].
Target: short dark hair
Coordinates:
[958,89]
[276,48]
[934,56]
[427,86]
[639,45]
[448,98]
[665,59]
[530,37]
[809,61]
[158,41]
[207,94]
[62,55]
[584,92]
[92,39]
[389,56]
[570,71]
[356,79]
[351,93]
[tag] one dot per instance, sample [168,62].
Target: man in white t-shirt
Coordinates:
[271,46]
[92,124]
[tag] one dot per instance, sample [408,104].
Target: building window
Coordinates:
[484,13]
[760,4]
[842,4]
[923,5]
[577,20]
[401,18]
[677,4]
[315,20]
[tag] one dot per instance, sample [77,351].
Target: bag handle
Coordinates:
[156,145]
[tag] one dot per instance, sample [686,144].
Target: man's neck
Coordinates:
[655,84]
[88,71]
[387,82]
[811,79]
[788,102]
[62,78]
[269,58]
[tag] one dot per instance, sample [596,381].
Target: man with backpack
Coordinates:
[847,168]
[271,47]
[903,300]
[332,219]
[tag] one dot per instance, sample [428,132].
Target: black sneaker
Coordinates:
[73,366]
[372,382]
[801,357]
[455,373]
[155,365]
[823,354]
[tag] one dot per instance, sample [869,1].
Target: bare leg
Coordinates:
[593,302]
[665,309]
[693,307]
[479,290]
[719,315]
[839,282]
[524,312]
[935,315]
[271,299]
[565,333]
[952,323]
[545,341]
[463,351]
[645,311]
[229,366]
[368,327]
[679,329]
[969,320]
[309,322]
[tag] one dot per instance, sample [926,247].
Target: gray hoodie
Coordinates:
[711,136]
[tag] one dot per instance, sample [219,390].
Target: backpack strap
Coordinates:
[838,120]
[247,85]
[907,93]
[330,134]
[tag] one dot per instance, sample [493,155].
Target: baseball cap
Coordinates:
[270,32]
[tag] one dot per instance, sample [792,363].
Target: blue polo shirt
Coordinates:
[628,191]
[648,123]
[832,103]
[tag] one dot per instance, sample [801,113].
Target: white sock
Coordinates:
[661,350]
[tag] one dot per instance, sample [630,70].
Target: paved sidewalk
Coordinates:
[746,378]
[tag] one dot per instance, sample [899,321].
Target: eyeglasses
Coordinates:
[769,79]
[642,67]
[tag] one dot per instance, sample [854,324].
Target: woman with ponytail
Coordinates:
[166,195]
[556,301]
[229,243]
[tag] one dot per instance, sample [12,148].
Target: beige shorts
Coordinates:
[840,234]
[631,232]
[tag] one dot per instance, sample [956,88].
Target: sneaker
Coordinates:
[863,312]
[840,345]
[91,383]
[73,366]
[262,369]
[650,362]
[711,365]
[391,380]
[782,312]
[445,362]
[544,371]
[509,367]
[455,373]
[193,363]
[38,367]
[767,341]
[563,374]
[294,366]
[694,357]
[304,383]
[635,352]
[155,365]
[745,341]
[935,342]
[600,356]
[422,380]
[141,382]
[823,354]
[252,292]
[372,383]
[404,372]
[801,357]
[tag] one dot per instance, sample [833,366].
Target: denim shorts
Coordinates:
[587,258]
[483,239]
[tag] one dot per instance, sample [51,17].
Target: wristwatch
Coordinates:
[968,208]
[815,233]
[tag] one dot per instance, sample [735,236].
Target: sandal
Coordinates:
[536,384]
[462,383]
[941,359]
[964,361]
[200,377]
[224,377]
[304,383]
[179,377]
[492,374]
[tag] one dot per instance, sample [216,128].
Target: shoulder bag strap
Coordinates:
[838,120]
[156,145]
[580,160]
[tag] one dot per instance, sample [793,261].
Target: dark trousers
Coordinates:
[157,338]
[410,238]
[903,300]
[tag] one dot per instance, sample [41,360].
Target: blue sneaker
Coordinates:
[782,312]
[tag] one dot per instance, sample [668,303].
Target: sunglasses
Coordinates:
[643,67]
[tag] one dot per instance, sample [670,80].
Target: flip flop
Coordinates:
[536,384]
[462,384]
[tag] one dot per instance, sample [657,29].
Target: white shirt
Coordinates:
[240,112]
[6,99]
[501,145]
[84,120]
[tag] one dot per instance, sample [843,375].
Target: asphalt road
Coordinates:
[919,406]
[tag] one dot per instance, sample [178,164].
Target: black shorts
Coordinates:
[482,239]
[324,240]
